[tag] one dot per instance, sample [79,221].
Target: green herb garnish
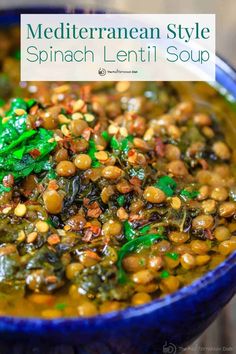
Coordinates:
[16,55]
[4,189]
[122,145]
[121,200]
[51,174]
[125,143]
[173,255]
[142,261]
[2,102]
[105,135]
[91,152]
[60,306]
[167,185]
[164,274]
[17,103]
[187,194]
[31,103]
[115,145]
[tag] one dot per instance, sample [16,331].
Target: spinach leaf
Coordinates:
[189,194]
[23,151]
[91,152]
[129,231]
[22,138]
[121,145]
[44,258]
[8,267]
[167,185]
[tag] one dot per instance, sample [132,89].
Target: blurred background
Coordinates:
[220,337]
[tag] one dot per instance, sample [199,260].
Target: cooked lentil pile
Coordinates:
[111,194]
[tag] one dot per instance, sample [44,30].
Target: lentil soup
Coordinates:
[111,194]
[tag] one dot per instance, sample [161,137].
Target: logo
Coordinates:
[169,348]
[102,71]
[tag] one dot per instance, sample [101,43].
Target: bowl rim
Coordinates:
[229,73]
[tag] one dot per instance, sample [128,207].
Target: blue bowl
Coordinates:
[162,326]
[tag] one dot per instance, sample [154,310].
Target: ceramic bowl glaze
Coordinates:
[162,326]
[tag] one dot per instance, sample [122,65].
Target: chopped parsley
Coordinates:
[4,189]
[2,102]
[105,135]
[125,143]
[167,185]
[91,152]
[121,200]
[173,255]
[122,145]
[60,306]
[115,145]
[164,274]
[189,194]
[16,55]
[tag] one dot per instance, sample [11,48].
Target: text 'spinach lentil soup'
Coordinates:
[111,194]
